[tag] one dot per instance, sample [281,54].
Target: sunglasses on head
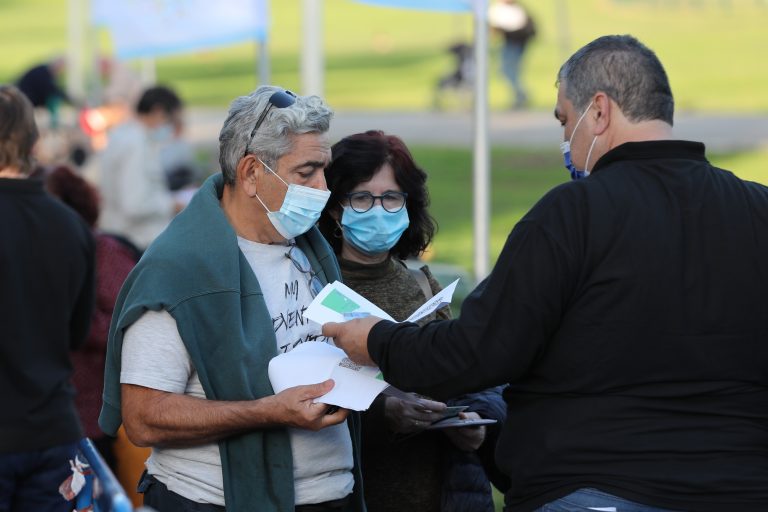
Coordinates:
[279,99]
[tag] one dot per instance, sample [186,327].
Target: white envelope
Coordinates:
[313,362]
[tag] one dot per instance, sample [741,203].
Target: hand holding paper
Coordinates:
[352,337]
[337,300]
[309,363]
[298,407]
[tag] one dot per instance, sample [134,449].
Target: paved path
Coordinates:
[720,132]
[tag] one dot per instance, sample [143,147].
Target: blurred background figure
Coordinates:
[114,260]
[375,219]
[461,79]
[41,85]
[121,91]
[514,23]
[137,203]
[46,299]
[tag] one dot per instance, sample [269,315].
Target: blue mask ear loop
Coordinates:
[566,149]
[268,168]
[589,154]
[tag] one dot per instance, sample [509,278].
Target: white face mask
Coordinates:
[300,210]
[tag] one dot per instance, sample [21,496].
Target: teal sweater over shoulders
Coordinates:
[196,271]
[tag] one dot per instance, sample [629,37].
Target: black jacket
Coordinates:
[46,298]
[629,313]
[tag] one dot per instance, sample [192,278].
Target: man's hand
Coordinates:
[406,417]
[352,337]
[467,439]
[295,407]
[159,418]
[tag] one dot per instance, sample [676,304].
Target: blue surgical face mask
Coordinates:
[300,210]
[565,147]
[162,133]
[375,231]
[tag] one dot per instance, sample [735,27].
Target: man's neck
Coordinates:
[248,221]
[641,132]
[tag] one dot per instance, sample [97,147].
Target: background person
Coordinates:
[46,298]
[212,301]
[136,201]
[40,84]
[517,28]
[375,219]
[627,311]
[114,260]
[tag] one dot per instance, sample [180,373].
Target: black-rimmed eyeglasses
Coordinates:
[300,261]
[391,201]
[279,99]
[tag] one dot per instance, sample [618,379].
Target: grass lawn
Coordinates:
[519,179]
[381,58]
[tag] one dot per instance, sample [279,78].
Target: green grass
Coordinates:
[519,179]
[380,58]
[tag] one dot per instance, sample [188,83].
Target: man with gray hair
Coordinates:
[627,311]
[214,298]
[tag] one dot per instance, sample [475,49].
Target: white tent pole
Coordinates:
[263,65]
[76,48]
[148,71]
[312,48]
[563,29]
[481,160]
[262,61]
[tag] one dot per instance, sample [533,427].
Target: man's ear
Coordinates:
[601,113]
[247,174]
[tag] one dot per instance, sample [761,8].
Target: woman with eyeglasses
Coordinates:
[375,219]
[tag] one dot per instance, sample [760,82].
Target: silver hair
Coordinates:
[627,71]
[274,138]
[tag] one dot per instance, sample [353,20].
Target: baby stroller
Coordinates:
[461,79]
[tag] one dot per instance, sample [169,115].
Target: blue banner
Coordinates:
[426,5]
[148,28]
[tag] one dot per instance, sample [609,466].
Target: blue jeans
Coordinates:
[29,481]
[591,500]
[511,58]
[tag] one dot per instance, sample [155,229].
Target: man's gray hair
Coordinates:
[624,69]
[274,138]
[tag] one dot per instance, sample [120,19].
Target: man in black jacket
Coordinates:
[46,297]
[627,311]
[40,84]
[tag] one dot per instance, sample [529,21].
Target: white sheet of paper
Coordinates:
[337,299]
[439,300]
[313,362]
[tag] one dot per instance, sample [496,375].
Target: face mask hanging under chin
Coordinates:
[565,147]
[576,174]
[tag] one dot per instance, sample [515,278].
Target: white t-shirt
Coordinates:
[154,356]
[136,199]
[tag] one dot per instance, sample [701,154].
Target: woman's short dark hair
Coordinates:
[354,160]
[75,192]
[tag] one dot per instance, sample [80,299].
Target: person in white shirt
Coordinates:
[137,203]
